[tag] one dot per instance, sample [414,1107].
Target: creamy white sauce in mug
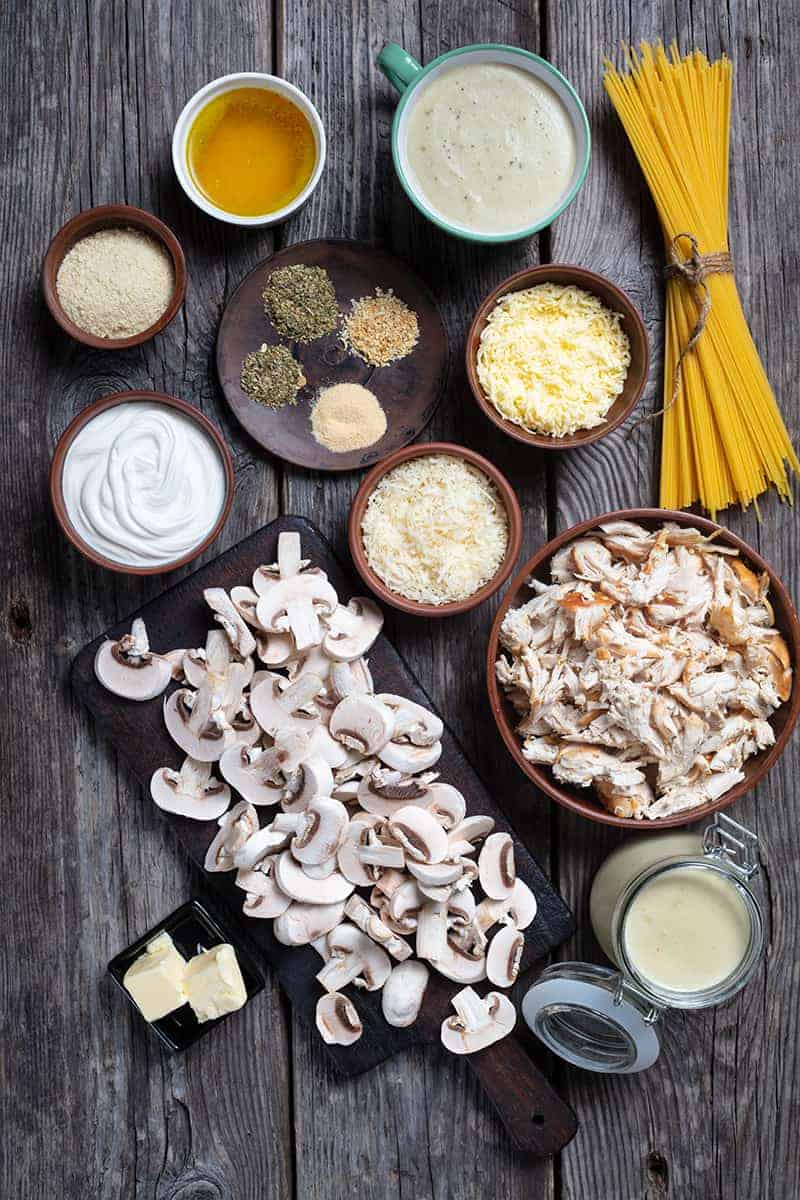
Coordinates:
[143,484]
[489,147]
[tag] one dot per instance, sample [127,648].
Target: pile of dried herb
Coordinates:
[272,376]
[301,302]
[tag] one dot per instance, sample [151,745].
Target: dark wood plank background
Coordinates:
[89,1106]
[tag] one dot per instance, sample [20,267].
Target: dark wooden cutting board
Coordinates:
[535,1116]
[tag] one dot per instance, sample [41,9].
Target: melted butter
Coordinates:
[490,147]
[251,151]
[687,929]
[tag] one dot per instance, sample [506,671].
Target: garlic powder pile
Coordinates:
[553,359]
[435,529]
[116,283]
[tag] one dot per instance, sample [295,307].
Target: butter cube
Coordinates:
[156,979]
[214,984]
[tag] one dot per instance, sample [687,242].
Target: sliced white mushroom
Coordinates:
[355,958]
[522,906]
[337,1020]
[496,868]
[200,722]
[405,904]
[297,883]
[478,1022]
[264,843]
[275,649]
[268,903]
[432,931]
[281,709]
[214,661]
[384,792]
[369,922]
[311,777]
[323,826]
[412,722]
[235,827]
[294,605]
[191,791]
[462,961]
[408,758]
[461,908]
[419,833]
[259,773]
[349,679]
[353,629]
[503,956]
[257,879]
[241,638]
[244,600]
[361,722]
[447,805]
[129,669]
[175,659]
[436,875]
[470,830]
[300,924]
[403,992]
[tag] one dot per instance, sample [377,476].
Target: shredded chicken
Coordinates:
[649,668]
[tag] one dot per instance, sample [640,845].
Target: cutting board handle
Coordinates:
[536,1118]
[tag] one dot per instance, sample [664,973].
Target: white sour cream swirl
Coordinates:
[143,484]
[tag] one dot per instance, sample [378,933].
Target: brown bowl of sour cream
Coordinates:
[141,482]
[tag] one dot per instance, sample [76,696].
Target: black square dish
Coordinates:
[192,929]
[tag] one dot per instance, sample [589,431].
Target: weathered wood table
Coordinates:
[89,1106]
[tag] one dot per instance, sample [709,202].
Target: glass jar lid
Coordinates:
[594,1018]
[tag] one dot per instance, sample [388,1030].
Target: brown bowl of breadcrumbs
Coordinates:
[114,277]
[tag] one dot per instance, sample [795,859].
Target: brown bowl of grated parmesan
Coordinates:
[114,277]
[435,529]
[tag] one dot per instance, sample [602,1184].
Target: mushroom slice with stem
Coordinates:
[295,882]
[196,721]
[350,679]
[463,960]
[405,904]
[432,930]
[503,956]
[349,861]
[293,605]
[225,612]
[235,827]
[244,600]
[191,791]
[311,777]
[408,758]
[403,992]
[363,723]
[264,843]
[419,833]
[355,958]
[322,829]
[259,773]
[436,875]
[128,668]
[175,659]
[300,924]
[478,1022]
[370,923]
[352,630]
[496,868]
[337,1020]
[284,709]
[257,880]
[412,722]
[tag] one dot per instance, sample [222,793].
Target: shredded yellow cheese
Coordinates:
[553,359]
[435,529]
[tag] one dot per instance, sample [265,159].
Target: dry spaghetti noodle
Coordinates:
[724,440]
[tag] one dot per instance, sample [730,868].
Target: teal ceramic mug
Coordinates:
[412,80]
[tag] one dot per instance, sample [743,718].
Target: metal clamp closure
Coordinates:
[625,990]
[727,840]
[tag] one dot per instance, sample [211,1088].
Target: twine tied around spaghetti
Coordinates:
[694,271]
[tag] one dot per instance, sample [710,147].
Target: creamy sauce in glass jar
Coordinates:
[143,484]
[490,147]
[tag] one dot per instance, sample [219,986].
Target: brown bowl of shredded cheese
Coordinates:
[557,356]
[435,529]
[114,277]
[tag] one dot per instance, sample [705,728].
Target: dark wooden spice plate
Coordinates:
[409,390]
[535,1116]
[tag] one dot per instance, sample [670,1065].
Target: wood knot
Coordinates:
[657,1174]
[19,620]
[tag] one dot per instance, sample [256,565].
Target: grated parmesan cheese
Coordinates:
[435,529]
[553,359]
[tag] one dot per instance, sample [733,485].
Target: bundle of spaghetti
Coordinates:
[723,438]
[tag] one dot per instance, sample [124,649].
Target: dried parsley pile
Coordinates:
[301,303]
[272,376]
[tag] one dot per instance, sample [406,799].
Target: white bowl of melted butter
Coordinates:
[141,482]
[491,143]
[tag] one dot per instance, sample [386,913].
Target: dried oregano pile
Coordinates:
[301,302]
[272,376]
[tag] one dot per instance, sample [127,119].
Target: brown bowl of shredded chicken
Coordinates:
[641,668]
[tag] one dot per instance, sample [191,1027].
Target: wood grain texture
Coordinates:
[706,1123]
[89,1106]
